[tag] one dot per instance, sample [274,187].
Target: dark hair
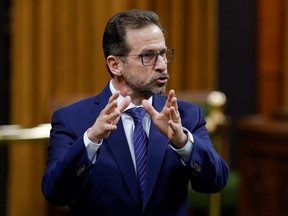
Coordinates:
[114,37]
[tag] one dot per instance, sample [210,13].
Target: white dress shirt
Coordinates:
[128,123]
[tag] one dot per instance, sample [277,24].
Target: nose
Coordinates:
[160,64]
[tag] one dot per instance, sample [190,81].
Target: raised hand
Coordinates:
[168,121]
[108,118]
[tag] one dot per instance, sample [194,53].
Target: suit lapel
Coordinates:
[118,144]
[157,146]
[119,147]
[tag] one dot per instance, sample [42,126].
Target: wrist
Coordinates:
[181,142]
[92,137]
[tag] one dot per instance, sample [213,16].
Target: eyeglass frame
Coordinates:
[161,53]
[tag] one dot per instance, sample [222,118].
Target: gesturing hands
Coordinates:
[108,118]
[168,121]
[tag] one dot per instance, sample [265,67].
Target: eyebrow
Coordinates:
[153,50]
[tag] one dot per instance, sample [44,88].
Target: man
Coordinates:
[93,164]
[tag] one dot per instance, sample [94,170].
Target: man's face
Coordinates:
[145,80]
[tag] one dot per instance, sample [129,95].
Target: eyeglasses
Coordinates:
[150,58]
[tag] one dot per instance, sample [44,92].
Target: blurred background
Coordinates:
[51,55]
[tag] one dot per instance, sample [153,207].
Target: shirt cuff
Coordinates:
[186,151]
[91,147]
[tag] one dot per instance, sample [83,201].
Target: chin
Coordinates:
[162,90]
[148,92]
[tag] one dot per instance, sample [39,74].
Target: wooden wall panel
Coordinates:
[26,161]
[175,31]
[270,56]
[285,62]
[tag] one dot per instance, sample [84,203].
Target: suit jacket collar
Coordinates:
[103,97]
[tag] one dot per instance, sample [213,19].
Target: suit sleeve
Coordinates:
[68,165]
[208,170]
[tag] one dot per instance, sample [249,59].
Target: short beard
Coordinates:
[146,90]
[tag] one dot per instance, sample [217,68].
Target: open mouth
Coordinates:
[162,79]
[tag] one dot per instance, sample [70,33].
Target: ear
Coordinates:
[114,65]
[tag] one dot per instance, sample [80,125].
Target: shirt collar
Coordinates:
[121,98]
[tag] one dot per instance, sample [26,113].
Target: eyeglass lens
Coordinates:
[151,58]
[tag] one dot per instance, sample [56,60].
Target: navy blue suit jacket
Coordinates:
[109,186]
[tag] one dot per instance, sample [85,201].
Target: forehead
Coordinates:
[148,38]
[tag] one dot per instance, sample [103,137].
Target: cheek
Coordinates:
[144,78]
[139,74]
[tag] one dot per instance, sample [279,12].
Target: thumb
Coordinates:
[149,108]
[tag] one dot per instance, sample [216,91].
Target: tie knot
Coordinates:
[137,114]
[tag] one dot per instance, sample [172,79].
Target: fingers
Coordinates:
[171,105]
[113,104]
[114,96]
[116,111]
[149,108]
[175,115]
[110,113]
[110,108]
[108,118]
[174,103]
[124,104]
[171,94]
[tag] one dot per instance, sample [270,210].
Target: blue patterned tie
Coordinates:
[140,145]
